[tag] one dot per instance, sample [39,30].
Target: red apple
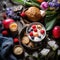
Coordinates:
[56,32]
[7,22]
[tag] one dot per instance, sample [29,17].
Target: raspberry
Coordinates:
[42,31]
[31,33]
[33,26]
[35,30]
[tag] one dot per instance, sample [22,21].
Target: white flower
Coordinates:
[43,13]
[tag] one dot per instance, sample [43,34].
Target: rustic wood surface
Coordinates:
[21,24]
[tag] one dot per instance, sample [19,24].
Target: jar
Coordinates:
[13,27]
[18,51]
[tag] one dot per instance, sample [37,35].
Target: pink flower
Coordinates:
[44,5]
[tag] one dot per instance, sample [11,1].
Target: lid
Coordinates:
[18,50]
[13,26]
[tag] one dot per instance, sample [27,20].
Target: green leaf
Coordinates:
[50,21]
[19,1]
[28,3]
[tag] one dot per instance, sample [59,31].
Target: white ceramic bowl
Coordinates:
[42,36]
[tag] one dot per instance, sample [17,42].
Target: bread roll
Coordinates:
[33,14]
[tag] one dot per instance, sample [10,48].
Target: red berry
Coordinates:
[5,32]
[56,32]
[42,31]
[35,30]
[33,26]
[23,14]
[31,33]
[16,40]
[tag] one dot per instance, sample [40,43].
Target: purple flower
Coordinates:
[54,0]
[54,4]
[51,4]
[44,5]
[8,9]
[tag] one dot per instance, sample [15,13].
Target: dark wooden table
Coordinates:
[21,24]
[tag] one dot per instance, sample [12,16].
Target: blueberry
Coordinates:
[39,36]
[32,37]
